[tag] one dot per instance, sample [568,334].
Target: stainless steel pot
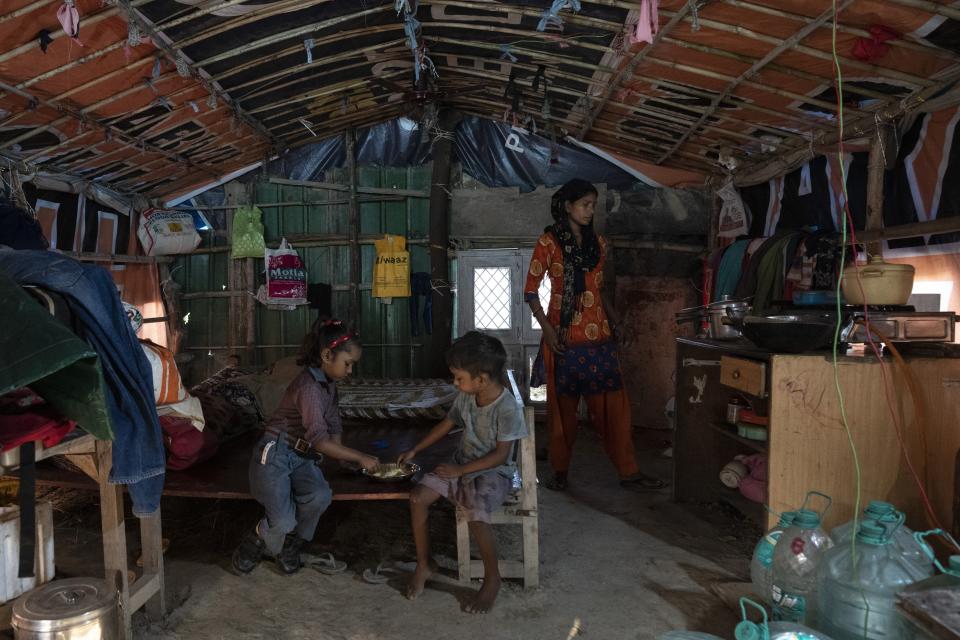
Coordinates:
[71,609]
[725,318]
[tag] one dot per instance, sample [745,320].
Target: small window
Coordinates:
[492,298]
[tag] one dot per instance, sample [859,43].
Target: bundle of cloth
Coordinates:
[772,269]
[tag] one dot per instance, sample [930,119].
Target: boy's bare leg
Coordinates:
[483,601]
[420,500]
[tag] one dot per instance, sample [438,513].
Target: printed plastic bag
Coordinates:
[247,240]
[391,271]
[164,233]
[286,275]
[733,215]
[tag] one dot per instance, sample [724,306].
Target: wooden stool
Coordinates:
[521,508]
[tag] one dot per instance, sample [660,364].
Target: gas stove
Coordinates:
[898,323]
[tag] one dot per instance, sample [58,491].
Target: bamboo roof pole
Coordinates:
[933,7]
[278,37]
[22,11]
[326,65]
[796,73]
[687,160]
[340,86]
[804,119]
[655,119]
[857,128]
[753,85]
[786,45]
[902,43]
[88,21]
[161,42]
[627,70]
[265,11]
[879,71]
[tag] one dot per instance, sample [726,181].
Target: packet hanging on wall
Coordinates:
[286,275]
[165,233]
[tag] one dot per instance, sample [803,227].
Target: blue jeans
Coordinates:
[139,459]
[291,489]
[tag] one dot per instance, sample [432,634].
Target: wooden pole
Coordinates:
[442,296]
[876,166]
[354,226]
[236,329]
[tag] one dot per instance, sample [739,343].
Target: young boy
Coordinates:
[284,475]
[481,475]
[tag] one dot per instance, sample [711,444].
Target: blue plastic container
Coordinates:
[858,583]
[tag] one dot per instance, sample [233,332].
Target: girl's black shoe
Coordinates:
[247,556]
[289,557]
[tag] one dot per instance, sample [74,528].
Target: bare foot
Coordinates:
[483,601]
[420,576]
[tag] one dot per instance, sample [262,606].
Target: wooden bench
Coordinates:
[520,509]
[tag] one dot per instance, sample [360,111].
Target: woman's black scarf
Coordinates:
[578,261]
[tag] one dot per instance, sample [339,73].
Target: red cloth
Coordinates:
[874,47]
[186,444]
[25,416]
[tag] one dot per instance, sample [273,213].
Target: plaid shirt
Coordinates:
[309,408]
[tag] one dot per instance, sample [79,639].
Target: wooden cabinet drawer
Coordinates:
[748,376]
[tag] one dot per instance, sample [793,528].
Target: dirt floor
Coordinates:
[615,565]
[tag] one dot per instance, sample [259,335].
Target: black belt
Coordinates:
[299,446]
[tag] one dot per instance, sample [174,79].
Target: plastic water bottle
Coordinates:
[747,630]
[859,584]
[946,583]
[902,540]
[796,559]
[761,566]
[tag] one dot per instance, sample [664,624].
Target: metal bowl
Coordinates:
[393,472]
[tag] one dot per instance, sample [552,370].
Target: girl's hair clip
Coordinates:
[332,323]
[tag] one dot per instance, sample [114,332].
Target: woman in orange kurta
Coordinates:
[578,351]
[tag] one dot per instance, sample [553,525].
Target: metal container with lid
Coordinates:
[68,609]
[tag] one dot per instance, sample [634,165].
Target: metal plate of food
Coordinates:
[393,472]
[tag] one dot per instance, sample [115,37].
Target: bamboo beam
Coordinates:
[753,85]
[787,44]
[932,7]
[767,168]
[879,71]
[354,226]
[912,230]
[627,70]
[902,43]
[789,71]
[161,42]
[875,171]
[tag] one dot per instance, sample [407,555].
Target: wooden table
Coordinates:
[95,458]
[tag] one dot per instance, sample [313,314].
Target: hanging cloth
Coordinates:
[69,18]
[649,22]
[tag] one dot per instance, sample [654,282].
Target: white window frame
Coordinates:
[521,341]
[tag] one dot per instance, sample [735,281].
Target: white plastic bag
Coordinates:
[286,276]
[164,233]
[734,221]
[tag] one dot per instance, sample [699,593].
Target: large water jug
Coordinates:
[747,630]
[859,581]
[761,566]
[886,513]
[940,587]
[796,559]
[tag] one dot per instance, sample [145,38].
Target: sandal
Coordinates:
[378,575]
[325,564]
[557,483]
[642,482]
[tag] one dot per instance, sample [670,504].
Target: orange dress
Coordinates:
[589,324]
[609,410]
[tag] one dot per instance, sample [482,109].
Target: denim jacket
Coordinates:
[138,454]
